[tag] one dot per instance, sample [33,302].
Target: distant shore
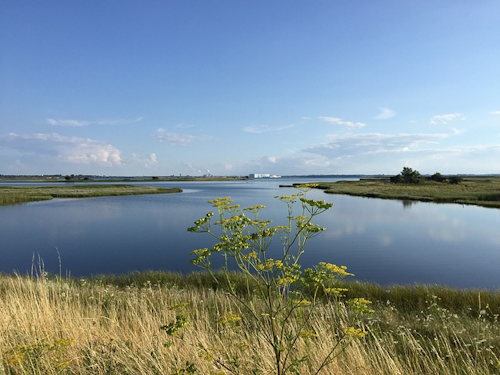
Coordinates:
[479,191]
[84,178]
[11,195]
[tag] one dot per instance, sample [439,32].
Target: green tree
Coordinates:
[438,177]
[455,180]
[407,176]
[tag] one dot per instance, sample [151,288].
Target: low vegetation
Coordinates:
[22,194]
[110,325]
[284,299]
[479,191]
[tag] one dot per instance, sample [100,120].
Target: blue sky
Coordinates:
[238,87]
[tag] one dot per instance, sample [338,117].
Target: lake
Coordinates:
[388,242]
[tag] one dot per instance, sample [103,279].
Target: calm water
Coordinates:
[378,240]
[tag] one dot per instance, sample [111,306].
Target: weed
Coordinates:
[288,297]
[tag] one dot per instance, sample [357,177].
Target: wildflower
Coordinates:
[229,318]
[355,332]
[360,305]
[337,292]
[255,208]
[308,334]
[172,328]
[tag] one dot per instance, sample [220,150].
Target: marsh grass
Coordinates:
[474,191]
[10,195]
[110,325]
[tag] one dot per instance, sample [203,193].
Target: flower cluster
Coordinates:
[289,294]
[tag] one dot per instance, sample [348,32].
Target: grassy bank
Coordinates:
[22,194]
[474,191]
[110,325]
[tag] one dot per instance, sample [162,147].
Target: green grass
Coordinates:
[406,299]
[483,192]
[10,195]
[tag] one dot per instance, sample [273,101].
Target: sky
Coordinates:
[232,87]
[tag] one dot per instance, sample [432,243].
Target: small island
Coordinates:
[10,195]
[409,185]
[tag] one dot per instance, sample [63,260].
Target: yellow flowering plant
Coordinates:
[285,297]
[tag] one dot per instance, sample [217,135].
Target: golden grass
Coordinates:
[63,326]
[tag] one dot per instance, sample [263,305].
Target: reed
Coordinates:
[57,325]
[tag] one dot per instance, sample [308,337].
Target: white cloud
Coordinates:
[386,153]
[80,123]
[371,143]
[445,119]
[338,121]
[179,138]
[495,112]
[66,149]
[148,162]
[385,113]
[376,153]
[72,123]
[457,131]
[196,169]
[258,129]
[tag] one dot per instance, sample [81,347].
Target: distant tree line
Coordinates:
[73,177]
[411,176]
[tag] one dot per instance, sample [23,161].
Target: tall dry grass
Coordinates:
[65,326]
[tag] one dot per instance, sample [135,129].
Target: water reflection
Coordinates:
[407,203]
[379,240]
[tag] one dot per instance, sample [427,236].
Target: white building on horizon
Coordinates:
[262,175]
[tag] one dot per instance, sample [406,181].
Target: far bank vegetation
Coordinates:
[10,195]
[410,185]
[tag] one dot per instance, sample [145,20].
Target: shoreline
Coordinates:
[13,195]
[398,294]
[476,191]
